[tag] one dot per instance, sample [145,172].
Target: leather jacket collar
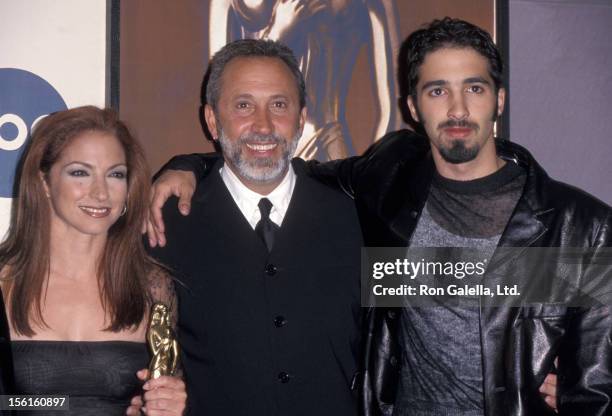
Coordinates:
[401,209]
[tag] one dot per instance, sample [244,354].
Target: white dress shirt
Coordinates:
[247,199]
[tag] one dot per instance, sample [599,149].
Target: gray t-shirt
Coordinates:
[441,371]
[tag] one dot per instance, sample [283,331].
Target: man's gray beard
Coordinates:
[262,170]
[459,153]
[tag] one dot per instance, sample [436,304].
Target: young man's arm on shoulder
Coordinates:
[178,177]
[353,174]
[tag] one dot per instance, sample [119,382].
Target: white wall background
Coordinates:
[62,41]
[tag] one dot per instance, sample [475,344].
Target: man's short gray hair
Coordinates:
[250,48]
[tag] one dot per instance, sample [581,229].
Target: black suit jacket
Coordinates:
[267,333]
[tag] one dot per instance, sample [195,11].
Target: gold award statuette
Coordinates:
[162,343]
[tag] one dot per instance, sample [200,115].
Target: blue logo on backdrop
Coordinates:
[25,98]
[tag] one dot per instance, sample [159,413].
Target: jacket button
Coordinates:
[391,314]
[284,377]
[393,361]
[414,214]
[270,269]
[279,321]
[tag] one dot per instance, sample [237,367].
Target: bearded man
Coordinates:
[268,259]
[460,188]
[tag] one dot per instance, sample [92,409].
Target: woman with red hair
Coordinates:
[77,282]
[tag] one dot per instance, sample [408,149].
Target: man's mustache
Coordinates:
[458,123]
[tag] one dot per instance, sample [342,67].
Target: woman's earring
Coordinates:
[124,210]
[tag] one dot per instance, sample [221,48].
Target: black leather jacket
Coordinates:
[390,186]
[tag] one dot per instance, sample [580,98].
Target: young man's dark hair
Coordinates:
[449,33]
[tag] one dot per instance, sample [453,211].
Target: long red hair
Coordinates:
[24,255]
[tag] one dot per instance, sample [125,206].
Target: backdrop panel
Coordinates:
[561,87]
[347,50]
[53,57]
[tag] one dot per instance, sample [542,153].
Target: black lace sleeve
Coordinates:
[161,289]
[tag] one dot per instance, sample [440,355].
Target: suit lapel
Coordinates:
[219,210]
[301,213]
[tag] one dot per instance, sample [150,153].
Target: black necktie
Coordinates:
[265,228]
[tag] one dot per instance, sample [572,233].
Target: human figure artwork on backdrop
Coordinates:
[327,37]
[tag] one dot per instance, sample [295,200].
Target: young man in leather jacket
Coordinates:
[461,187]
